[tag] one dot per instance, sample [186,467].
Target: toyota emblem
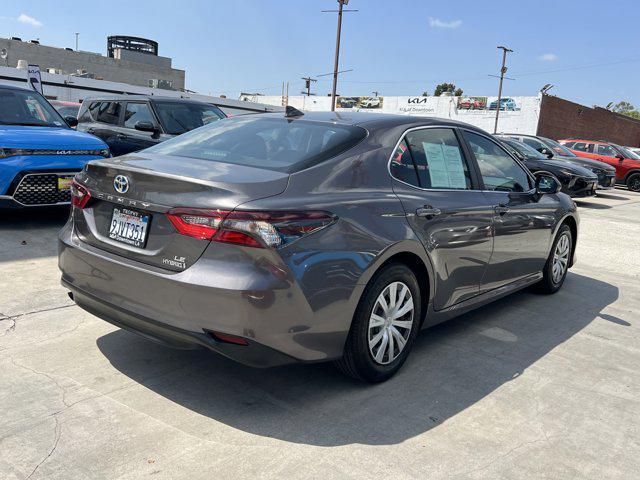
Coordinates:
[121,184]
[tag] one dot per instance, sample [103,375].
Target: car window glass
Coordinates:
[607,150]
[534,143]
[402,166]
[583,147]
[499,170]
[179,118]
[137,112]
[438,159]
[25,107]
[108,112]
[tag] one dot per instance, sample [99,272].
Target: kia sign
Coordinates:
[34,78]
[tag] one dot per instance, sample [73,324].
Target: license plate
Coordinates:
[130,227]
[64,183]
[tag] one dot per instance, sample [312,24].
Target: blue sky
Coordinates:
[588,49]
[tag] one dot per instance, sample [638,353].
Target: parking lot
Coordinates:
[530,386]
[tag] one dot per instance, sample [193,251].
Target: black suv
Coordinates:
[129,123]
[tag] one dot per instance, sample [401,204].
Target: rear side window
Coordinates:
[499,170]
[107,112]
[534,143]
[138,112]
[274,143]
[402,166]
[437,160]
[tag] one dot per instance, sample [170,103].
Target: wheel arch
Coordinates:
[628,175]
[571,222]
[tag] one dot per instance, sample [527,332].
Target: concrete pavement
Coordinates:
[528,387]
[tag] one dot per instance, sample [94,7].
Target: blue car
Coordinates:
[39,152]
[505,104]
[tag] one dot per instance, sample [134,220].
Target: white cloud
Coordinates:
[24,18]
[437,23]
[548,57]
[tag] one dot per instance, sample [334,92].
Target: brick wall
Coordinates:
[561,118]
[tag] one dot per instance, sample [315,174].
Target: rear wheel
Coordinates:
[384,326]
[555,270]
[633,182]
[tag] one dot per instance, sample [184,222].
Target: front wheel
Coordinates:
[633,182]
[555,270]
[384,326]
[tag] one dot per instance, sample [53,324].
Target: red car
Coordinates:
[626,163]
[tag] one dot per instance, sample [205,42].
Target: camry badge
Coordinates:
[121,184]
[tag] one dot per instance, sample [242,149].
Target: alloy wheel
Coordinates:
[560,258]
[390,323]
[634,184]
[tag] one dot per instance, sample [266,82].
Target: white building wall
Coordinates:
[523,120]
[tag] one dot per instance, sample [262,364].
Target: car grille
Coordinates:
[605,178]
[41,189]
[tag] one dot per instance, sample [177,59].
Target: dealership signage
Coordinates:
[35,81]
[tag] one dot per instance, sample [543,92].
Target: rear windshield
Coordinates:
[274,143]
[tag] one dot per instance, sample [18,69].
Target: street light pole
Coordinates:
[503,70]
[77,33]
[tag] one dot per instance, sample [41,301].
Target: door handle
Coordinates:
[501,209]
[428,211]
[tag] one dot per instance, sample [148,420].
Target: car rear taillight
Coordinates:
[197,223]
[251,229]
[79,195]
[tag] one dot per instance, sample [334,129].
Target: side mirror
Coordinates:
[71,121]
[620,157]
[547,183]
[146,127]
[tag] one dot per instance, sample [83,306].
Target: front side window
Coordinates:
[137,112]
[107,112]
[264,141]
[25,107]
[534,143]
[607,150]
[499,170]
[179,118]
[437,158]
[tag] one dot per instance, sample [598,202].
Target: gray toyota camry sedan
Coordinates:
[281,238]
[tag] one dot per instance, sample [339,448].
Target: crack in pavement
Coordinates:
[58,434]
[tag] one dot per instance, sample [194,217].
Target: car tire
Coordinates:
[633,182]
[559,257]
[371,360]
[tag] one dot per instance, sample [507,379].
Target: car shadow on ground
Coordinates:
[30,233]
[452,366]
[609,196]
[595,206]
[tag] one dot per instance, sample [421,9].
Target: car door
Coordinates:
[522,220]
[106,116]
[608,154]
[445,208]
[134,140]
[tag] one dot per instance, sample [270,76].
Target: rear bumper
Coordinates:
[281,323]
[254,354]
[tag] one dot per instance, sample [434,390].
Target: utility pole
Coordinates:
[307,85]
[341,4]
[77,33]
[503,70]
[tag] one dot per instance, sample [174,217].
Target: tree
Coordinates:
[447,87]
[425,94]
[623,107]
[626,108]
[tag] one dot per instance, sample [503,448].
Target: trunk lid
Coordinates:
[156,184]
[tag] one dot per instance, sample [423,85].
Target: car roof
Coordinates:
[377,120]
[135,97]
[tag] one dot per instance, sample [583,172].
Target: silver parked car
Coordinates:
[304,238]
